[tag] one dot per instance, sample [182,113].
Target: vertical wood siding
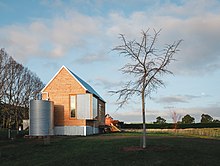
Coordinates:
[59,90]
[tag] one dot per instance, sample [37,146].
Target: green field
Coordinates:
[111,149]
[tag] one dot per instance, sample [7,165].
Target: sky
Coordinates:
[43,35]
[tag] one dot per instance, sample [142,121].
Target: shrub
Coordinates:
[171,126]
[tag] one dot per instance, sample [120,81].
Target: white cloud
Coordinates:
[197,23]
[199,51]
[54,37]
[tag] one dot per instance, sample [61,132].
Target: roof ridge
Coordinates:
[84,84]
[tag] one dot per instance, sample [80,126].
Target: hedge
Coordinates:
[170,126]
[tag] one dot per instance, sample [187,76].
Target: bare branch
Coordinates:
[146,65]
[16,86]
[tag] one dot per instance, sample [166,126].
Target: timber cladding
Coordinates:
[59,90]
[65,84]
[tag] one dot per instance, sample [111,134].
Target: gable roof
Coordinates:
[85,85]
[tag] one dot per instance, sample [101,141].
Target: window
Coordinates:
[73,106]
[95,105]
[100,107]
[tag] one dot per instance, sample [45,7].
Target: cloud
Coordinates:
[54,38]
[107,83]
[75,29]
[135,115]
[198,111]
[196,23]
[199,52]
[91,58]
[177,99]
[173,99]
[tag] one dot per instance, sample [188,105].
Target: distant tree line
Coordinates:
[187,122]
[17,86]
[187,119]
[169,125]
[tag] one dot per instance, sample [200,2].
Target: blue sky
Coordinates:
[43,35]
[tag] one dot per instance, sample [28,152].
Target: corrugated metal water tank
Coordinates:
[41,118]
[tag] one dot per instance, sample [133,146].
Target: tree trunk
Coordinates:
[144,125]
[16,119]
[3,121]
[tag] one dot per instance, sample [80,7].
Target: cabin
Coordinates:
[78,108]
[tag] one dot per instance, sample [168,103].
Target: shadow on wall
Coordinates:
[58,115]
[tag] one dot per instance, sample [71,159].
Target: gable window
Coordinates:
[73,106]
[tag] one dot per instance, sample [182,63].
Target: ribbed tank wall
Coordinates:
[41,118]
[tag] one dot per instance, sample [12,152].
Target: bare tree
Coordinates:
[176,118]
[4,60]
[17,86]
[147,64]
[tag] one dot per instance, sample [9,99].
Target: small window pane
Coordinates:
[73,106]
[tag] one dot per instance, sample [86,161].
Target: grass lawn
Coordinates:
[112,149]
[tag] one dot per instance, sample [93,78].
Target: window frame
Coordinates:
[94,110]
[70,111]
